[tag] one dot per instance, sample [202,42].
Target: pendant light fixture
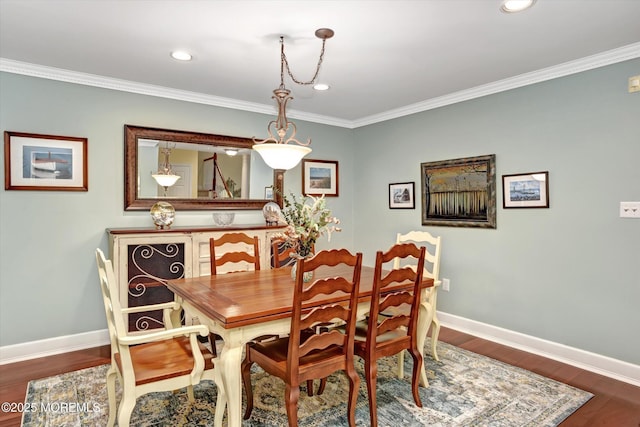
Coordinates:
[165,176]
[281,150]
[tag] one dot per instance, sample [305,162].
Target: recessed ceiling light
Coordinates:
[181,55]
[512,6]
[321,86]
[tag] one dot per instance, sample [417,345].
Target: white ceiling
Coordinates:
[387,58]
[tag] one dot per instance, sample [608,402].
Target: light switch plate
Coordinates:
[629,209]
[634,84]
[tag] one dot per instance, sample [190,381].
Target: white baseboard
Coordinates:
[603,365]
[51,346]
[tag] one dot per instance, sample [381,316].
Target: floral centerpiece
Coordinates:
[307,219]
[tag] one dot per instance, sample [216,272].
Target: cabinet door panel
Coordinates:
[149,267]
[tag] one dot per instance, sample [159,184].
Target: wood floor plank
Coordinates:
[615,403]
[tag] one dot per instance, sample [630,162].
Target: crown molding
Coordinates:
[614,56]
[624,53]
[51,73]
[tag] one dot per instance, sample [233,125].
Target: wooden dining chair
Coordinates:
[382,336]
[281,254]
[300,357]
[162,360]
[282,257]
[230,253]
[431,270]
[233,252]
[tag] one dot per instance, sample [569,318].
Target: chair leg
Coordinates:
[323,383]
[371,373]
[401,365]
[415,378]
[310,388]
[354,387]
[246,380]
[435,331]
[127,403]
[111,393]
[291,396]
[212,340]
[190,395]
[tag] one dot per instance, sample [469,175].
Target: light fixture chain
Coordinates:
[284,61]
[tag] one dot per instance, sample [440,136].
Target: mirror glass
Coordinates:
[216,171]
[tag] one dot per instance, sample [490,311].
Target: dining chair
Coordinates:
[230,253]
[430,296]
[161,360]
[233,252]
[282,257]
[281,254]
[299,357]
[382,336]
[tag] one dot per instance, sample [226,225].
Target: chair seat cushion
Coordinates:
[278,349]
[360,337]
[163,359]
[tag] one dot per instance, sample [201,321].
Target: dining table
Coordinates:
[242,306]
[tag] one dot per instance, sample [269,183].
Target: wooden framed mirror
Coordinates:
[216,171]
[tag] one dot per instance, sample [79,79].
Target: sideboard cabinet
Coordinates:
[145,258]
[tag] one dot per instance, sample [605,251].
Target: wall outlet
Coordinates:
[445,285]
[629,209]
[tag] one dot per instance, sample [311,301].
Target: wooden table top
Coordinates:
[249,297]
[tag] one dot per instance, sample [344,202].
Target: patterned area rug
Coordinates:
[465,389]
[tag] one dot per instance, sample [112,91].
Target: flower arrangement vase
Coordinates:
[306,278]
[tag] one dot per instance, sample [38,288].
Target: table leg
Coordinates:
[229,363]
[424,320]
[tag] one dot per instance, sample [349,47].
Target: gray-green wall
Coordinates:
[568,274]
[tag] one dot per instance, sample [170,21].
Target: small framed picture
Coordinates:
[268,192]
[320,177]
[525,190]
[44,162]
[401,195]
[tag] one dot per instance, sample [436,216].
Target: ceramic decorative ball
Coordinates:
[272,213]
[163,214]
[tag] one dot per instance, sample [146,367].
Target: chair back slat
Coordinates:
[321,341]
[327,286]
[320,315]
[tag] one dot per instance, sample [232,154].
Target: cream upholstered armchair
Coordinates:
[168,359]
[431,270]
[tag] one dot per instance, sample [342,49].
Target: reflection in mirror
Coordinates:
[216,171]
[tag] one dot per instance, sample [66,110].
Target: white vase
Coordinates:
[306,277]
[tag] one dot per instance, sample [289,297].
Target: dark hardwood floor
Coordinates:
[615,403]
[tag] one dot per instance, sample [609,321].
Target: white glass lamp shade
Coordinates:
[165,180]
[281,156]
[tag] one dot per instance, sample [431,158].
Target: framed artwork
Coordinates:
[44,162]
[320,177]
[268,192]
[459,192]
[401,195]
[525,190]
